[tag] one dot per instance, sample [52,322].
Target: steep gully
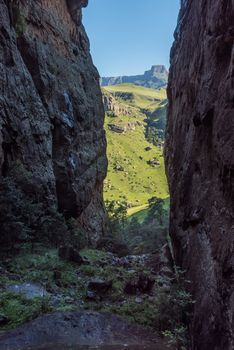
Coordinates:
[51,127]
[54,125]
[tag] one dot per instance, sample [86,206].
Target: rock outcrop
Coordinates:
[200,165]
[115,108]
[154,78]
[125,127]
[51,107]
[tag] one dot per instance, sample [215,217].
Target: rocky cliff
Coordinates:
[114,107]
[200,165]
[154,78]
[51,108]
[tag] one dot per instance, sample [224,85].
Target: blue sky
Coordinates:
[129,36]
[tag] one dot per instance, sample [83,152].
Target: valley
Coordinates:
[136,165]
[119,256]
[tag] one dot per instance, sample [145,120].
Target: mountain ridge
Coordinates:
[155,78]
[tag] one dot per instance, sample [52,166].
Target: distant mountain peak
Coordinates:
[158,69]
[155,78]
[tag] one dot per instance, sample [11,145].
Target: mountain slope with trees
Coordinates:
[135,132]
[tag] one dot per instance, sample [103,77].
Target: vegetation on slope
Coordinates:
[66,289]
[138,96]
[136,166]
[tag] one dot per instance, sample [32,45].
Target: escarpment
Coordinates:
[51,125]
[200,165]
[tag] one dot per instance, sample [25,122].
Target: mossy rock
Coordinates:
[113,246]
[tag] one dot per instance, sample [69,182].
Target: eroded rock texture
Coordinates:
[200,164]
[51,107]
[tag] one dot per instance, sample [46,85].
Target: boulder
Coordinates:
[145,284]
[114,246]
[131,288]
[120,129]
[153,162]
[98,287]
[70,254]
[29,290]
[71,330]
[119,167]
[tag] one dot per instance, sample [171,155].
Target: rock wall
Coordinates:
[200,165]
[115,107]
[51,107]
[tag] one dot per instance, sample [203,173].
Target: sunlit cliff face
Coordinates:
[75,9]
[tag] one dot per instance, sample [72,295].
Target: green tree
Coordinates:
[117,213]
[156,209]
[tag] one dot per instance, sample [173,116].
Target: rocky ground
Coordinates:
[80,328]
[60,282]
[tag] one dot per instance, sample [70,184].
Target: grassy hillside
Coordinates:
[138,96]
[130,176]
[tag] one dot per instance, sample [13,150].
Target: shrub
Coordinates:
[23,218]
[18,309]
[174,309]
[12,212]
[76,236]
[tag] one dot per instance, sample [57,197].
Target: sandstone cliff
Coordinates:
[51,107]
[114,107]
[200,165]
[154,78]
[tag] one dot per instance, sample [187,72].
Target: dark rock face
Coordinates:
[51,107]
[200,165]
[154,78]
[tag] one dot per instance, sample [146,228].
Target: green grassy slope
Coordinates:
[130,177]
[142,97]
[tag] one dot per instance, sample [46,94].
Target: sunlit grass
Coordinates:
[137,181]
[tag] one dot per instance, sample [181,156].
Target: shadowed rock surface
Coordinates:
[80,329]
[51,108]
[200,165]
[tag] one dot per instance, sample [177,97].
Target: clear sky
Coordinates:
[128,36]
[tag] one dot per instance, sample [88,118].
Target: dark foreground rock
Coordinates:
[61,330]
[114,246]
[100,286]
[144,284]
[200,165]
